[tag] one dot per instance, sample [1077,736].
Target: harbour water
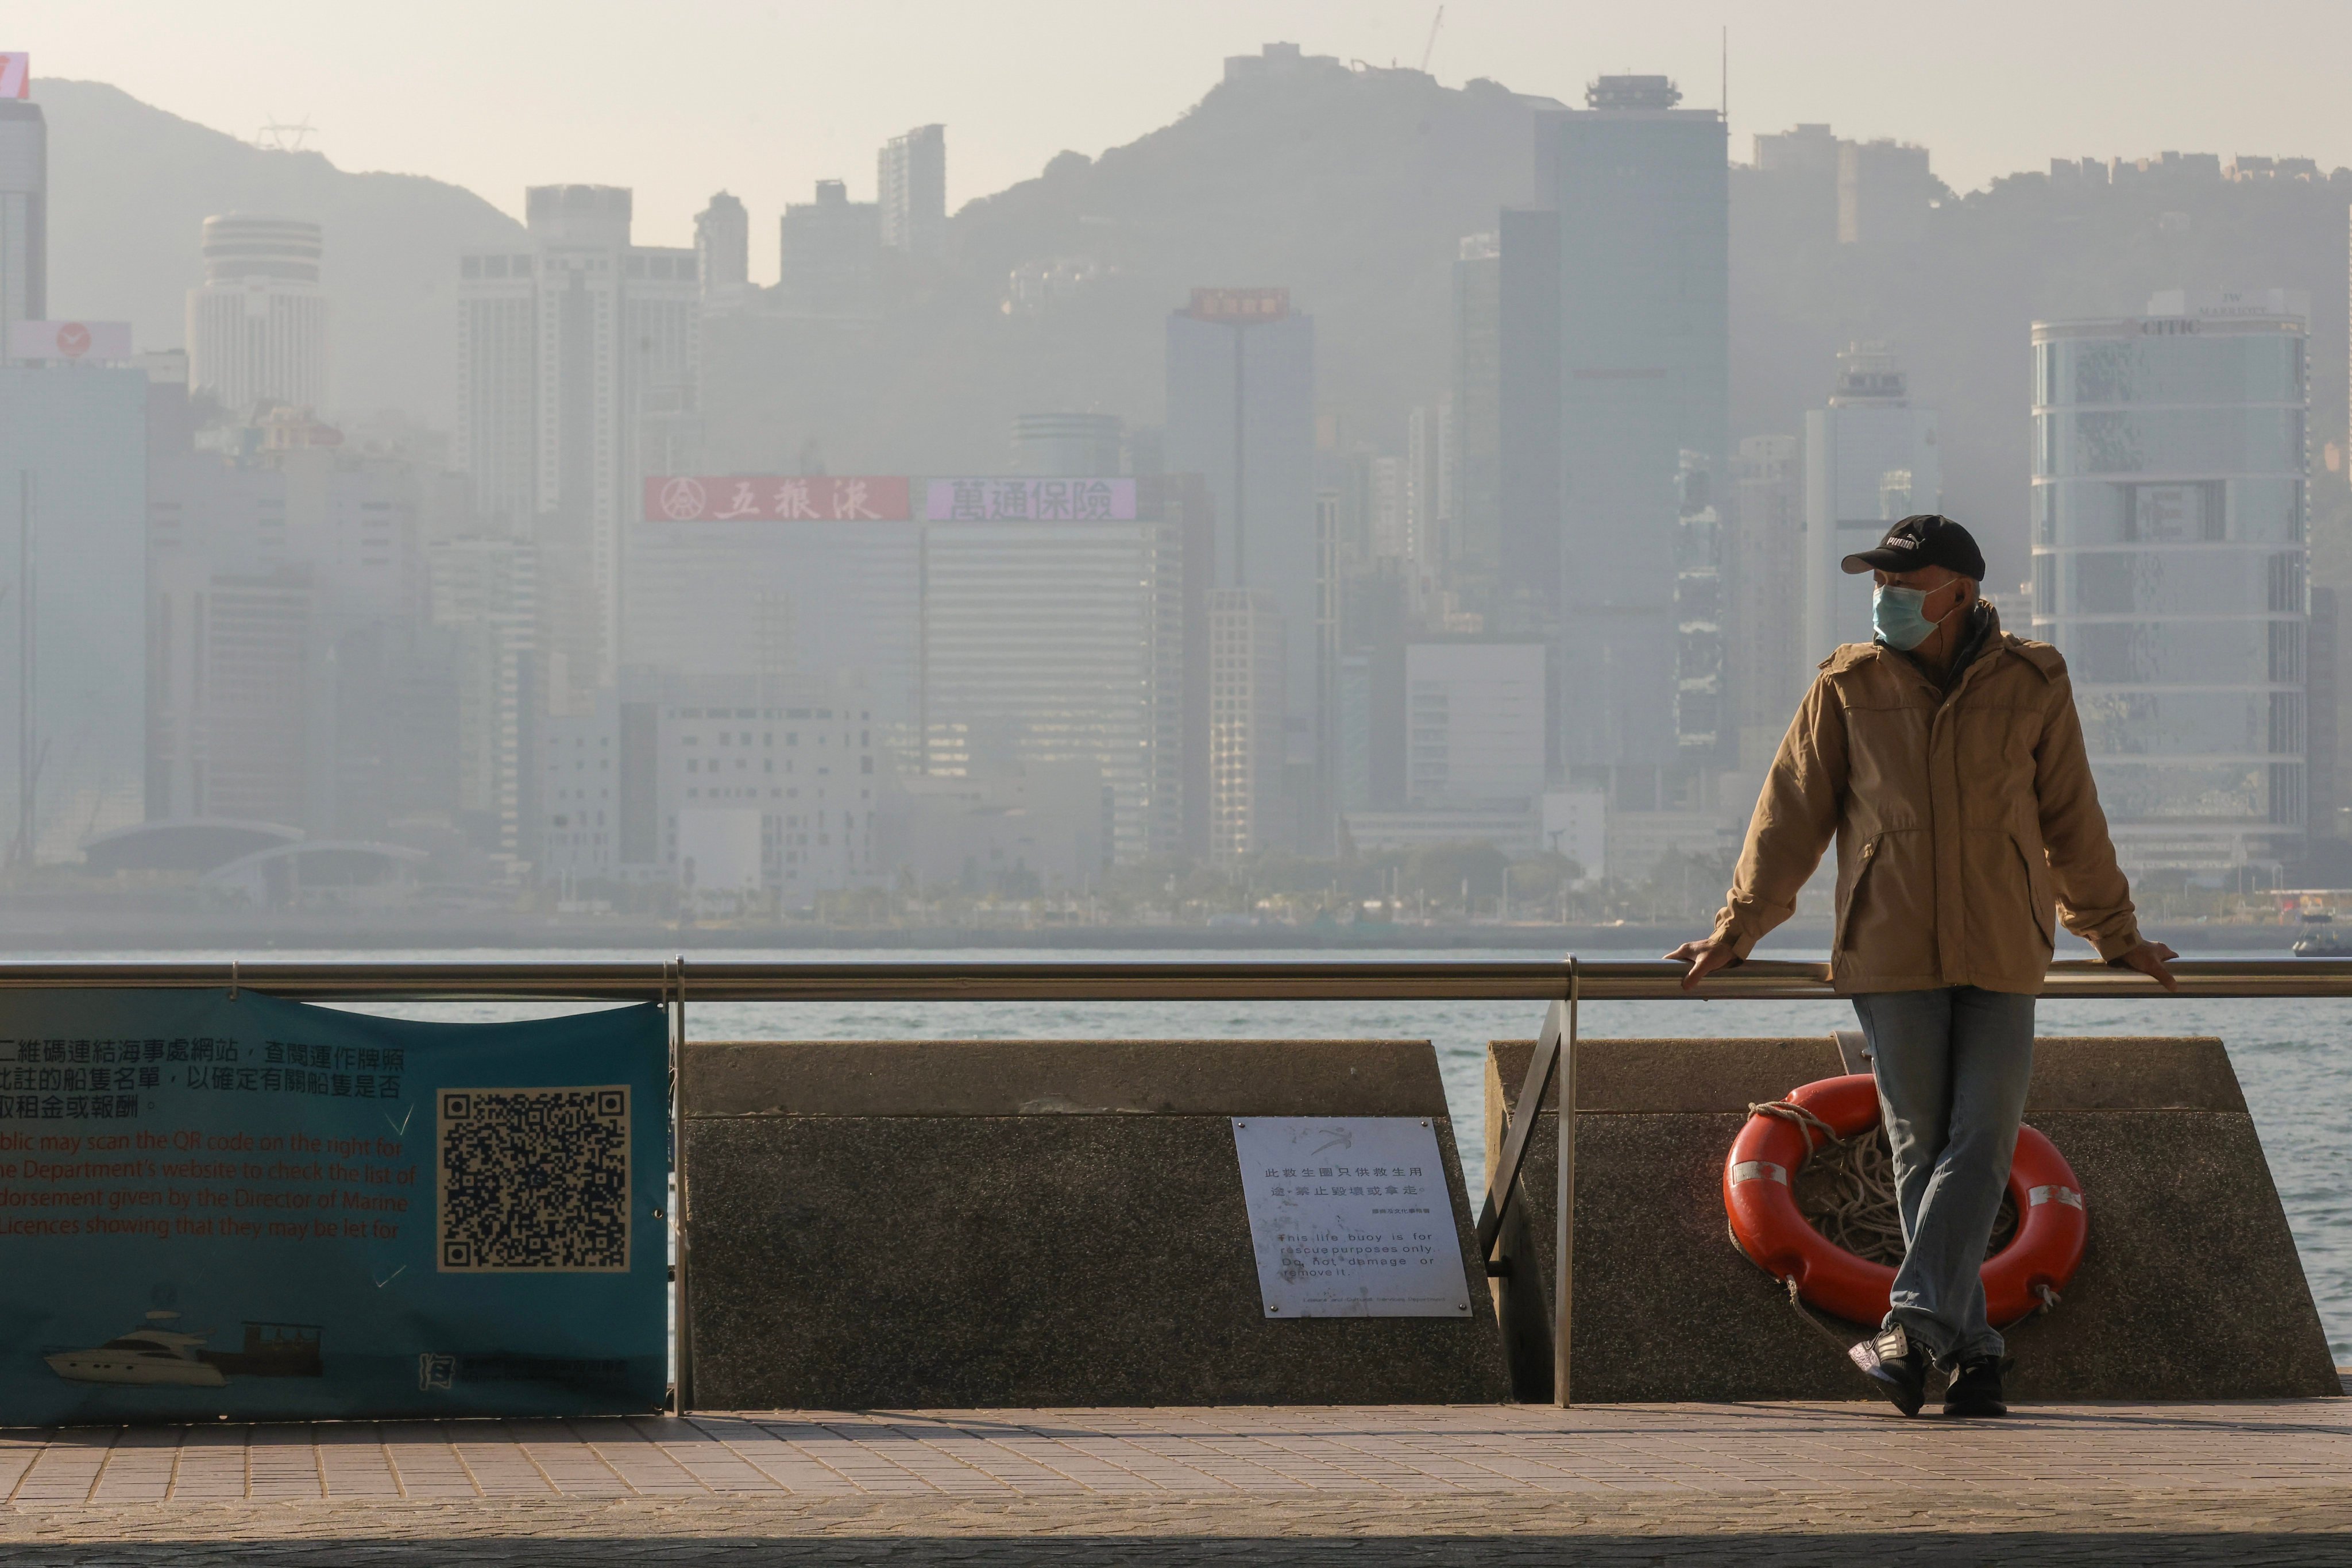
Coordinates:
[2290,1053]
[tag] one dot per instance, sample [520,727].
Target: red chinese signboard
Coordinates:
[775,498]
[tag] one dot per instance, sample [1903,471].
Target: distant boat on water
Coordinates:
[2327,942]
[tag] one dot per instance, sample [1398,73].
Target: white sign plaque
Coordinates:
[1351,1218]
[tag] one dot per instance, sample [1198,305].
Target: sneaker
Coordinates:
[1976,1388]
[1898,1366]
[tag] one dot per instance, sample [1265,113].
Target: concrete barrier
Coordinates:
[977,1223]
[2189,1287]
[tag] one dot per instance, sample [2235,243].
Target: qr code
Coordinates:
[534,1180]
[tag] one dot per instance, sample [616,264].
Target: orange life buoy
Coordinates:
[1765,1220]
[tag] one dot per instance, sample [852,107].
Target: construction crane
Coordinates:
[1431,48]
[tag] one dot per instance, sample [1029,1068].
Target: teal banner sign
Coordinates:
[234,1206]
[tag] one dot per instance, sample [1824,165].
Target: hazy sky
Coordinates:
[682,99]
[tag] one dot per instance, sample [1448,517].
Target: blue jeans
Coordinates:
[1952,1069]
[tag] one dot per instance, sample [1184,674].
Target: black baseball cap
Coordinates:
[1923,539]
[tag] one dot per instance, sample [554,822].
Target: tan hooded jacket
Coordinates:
[1960,821]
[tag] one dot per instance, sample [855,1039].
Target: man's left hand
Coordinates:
[2150,958]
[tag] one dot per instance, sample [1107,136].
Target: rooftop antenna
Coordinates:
[1723,92]
[284,136]
[1431,48]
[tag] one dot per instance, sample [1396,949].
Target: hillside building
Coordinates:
[911,188]
[830,254]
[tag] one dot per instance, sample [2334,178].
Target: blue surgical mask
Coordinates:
[1899,617]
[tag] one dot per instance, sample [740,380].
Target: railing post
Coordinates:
[683,1397]
[1564,1236]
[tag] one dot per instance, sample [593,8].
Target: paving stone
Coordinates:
[2249,1483]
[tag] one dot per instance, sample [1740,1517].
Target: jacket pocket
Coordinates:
[1853,905]
[2037,897]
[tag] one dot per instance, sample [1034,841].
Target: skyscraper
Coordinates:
[1053,444]
[1241,413]
[1640,191]
[73,607]
[573,353]
[23,215]
[912,183]
[1060,643]
[2169,566]
[1764,572]
[722,247]
[1478,417]
[1700,718]
[1245,722]
[258,323]
[1870,457]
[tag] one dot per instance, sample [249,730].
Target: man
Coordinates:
[1945,758]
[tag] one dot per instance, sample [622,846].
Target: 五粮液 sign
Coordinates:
[242,1206]
[1351,1218]
[775,498]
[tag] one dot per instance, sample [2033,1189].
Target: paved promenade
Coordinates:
[1619,1484]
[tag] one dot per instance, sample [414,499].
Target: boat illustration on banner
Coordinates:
[155,1353]
[150,1355]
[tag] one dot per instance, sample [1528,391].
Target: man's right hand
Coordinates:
[1703,958]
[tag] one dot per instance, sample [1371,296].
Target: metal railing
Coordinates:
[1563,984]
[1366,979]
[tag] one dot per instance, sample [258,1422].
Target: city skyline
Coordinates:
[1927,78]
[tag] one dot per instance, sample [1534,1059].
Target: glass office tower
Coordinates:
[1640,189]
[2169,566]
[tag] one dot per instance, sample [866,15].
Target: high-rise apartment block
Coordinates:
[23,215]
[576,352]
[258,323]
[1245,722]
[1870,457]
[2168,528]
[912,186]
[1638,189]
